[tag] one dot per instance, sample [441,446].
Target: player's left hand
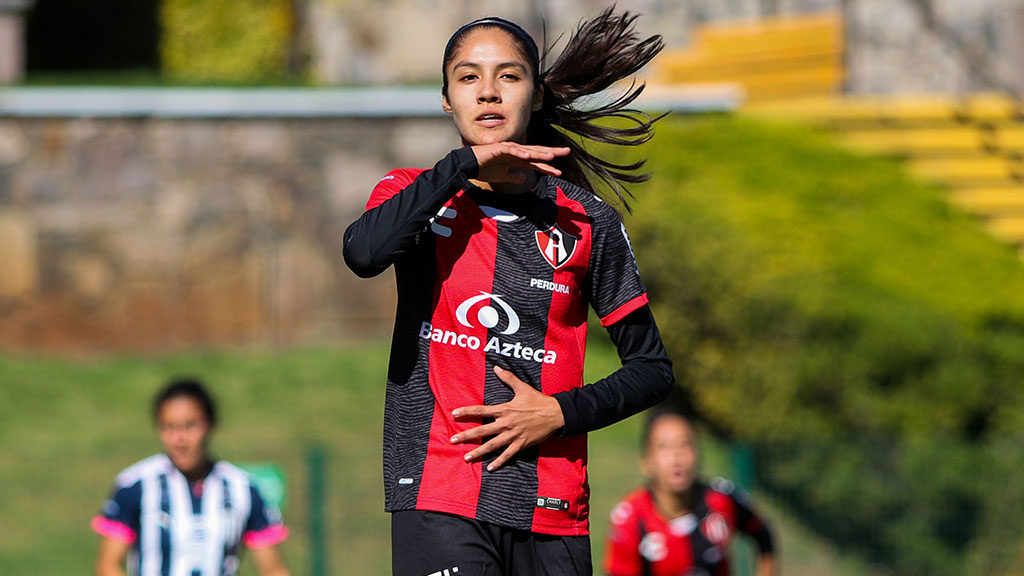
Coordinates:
[526,420]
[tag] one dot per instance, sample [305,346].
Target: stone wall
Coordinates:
[153,234]
[937,46]
[893,45]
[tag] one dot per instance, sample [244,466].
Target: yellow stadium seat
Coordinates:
[990,107]
[919,108]
[771,57]
[1006,200]
[1008,137]
[915,141]
[959,170]
[1009,229]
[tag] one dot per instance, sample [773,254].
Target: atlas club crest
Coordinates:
[556,245]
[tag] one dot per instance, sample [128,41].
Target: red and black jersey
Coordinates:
[641,541]
[487,279]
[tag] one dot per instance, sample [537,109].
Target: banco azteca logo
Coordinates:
[556,245]
[486,314]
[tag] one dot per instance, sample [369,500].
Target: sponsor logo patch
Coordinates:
[553,504]
[486,314]
[549,285]
[486,310]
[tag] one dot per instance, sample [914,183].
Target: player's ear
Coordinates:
[445,104]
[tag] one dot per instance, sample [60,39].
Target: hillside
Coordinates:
[851,324]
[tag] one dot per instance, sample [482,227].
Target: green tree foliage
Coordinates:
[841,317]
[225,41]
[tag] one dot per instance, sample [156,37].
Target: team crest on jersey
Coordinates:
[653,547]
[716,529]
[556,245]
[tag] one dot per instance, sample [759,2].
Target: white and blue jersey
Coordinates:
[178,529]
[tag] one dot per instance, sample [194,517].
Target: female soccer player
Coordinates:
[498,252]
[677,524]
[182,512]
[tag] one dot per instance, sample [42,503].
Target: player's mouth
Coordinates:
[679,475]
[183,453]
[490,119]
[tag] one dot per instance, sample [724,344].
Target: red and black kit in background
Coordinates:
[642,542]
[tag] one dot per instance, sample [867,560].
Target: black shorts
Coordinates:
[437,544]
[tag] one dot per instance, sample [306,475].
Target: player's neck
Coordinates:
[508,188]
[673,504]
[199,472]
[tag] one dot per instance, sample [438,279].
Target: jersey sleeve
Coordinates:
[392,183]
[619,299]
[120,517]
[264,527]
[400,209]
[614,283]
[622,544]
[748,522]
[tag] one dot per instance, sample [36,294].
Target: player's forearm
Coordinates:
[766,565]
[105,568]
[111,557]
[269,561]
[381,234]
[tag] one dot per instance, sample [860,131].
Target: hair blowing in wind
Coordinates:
[601,52]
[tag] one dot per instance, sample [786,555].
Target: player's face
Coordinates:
[670,462]
[491,91]
[183,429]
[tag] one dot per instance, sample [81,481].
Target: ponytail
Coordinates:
[600,53]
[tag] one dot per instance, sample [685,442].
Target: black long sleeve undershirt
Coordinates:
[644,379]
[763,538]
[382,234]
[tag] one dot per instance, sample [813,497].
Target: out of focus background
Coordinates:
[832,241]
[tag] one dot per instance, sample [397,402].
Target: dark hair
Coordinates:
[524,43]
[600,53]
[657,414]
[186,387]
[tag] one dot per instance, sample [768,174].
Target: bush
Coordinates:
[846,321]
[226,41]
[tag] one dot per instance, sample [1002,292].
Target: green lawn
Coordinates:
[68,426]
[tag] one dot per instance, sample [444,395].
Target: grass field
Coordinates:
[68,426]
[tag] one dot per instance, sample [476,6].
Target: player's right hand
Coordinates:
[510,161]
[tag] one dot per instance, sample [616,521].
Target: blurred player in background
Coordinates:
[678,524]
[499,250]
[182,512]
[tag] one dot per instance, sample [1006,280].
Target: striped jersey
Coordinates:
[177,529]
[496,280]
[642,542]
